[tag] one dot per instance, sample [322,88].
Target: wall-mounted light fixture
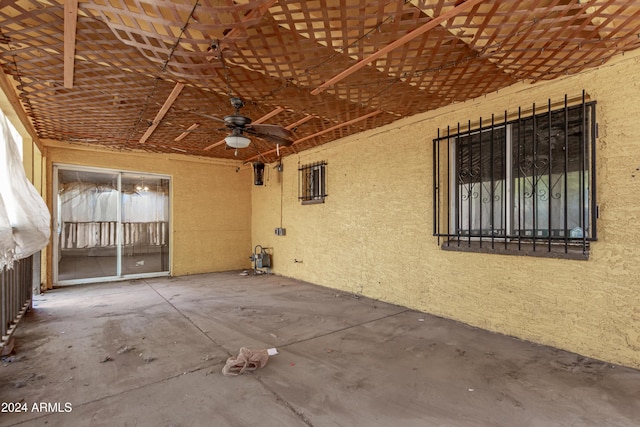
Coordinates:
[258,173]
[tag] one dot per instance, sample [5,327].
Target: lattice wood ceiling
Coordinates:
[135,74]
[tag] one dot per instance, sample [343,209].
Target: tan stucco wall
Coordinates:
[210,204]
[373,236]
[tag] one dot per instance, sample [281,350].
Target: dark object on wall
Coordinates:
[258,173]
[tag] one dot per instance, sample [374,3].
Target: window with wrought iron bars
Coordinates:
[521,186]
[312,183]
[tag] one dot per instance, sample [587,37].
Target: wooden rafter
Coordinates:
[70,22]
[299,122]
[267,116]
[368,21]
[411,57]
[235,32]
[14,102]
[322,132]
[187,132]
[338,126]
[396,44]
[165,107]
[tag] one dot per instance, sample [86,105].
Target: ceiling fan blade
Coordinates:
[271,133]
[275,140]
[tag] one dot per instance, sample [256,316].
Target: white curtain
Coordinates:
[88,202]
[7,244]
[24,217]
[89,213]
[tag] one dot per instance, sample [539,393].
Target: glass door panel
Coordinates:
[145,224]
[87,224]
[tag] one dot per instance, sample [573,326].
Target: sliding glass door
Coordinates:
[110,225]
[145,224]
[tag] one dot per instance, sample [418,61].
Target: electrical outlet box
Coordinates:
[281,231]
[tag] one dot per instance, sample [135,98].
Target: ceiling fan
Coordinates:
[241,125]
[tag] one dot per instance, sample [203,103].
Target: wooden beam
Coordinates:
[299,122]
[70,22]
[397,43]
[187,132]
[474,34]
[236,32]
[13,109]
[267,116]
[260,120]
[338,126]
[167,104]
[322,132]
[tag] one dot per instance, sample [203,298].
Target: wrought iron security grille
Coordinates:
[312,183]
[16,293]
[525,184]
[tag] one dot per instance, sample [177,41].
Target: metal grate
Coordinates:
[15,296]
[526,184]
[312,183]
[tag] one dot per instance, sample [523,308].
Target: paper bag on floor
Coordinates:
[247,360]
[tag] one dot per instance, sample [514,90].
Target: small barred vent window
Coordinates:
[312,183]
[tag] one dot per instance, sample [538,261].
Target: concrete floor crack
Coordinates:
[188,319]
[346,328]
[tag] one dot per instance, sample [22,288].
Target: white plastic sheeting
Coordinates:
[24,217]
[88,202]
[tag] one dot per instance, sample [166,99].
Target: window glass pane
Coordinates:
[308,184]
[315,182]
[88,218]
[312,182]
[480,174]
[549,170]
[145,224]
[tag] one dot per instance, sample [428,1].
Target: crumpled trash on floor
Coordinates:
[247,360]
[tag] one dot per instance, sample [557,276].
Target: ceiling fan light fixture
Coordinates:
[237,141]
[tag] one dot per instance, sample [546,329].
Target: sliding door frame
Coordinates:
[57,224]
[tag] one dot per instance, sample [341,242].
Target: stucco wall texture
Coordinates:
[210,205]
[373,236]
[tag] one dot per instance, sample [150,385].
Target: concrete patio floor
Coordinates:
[150,353]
